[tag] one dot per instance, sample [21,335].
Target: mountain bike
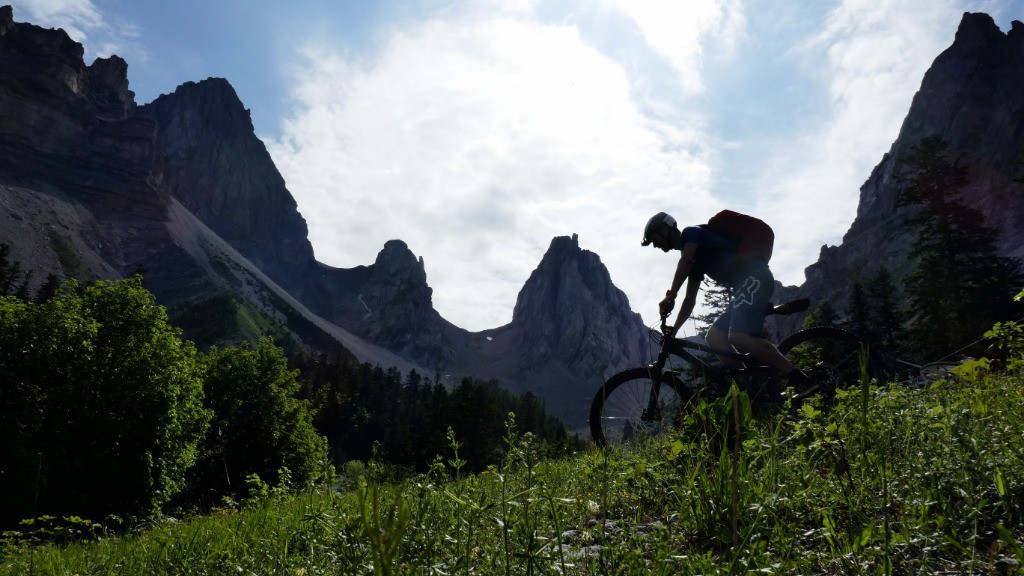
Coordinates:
[649,400]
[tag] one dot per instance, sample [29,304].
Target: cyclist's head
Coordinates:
[657,231]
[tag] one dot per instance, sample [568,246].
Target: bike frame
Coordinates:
[722,374]
[678,347]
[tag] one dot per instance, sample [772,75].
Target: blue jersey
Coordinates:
[716,257]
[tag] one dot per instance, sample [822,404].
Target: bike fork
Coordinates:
[658,370]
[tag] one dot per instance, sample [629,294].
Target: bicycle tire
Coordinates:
[831,356]
[617,412]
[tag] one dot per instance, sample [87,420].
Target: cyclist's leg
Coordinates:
[718,337]
[752,292]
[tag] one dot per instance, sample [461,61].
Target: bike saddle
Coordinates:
[790,307]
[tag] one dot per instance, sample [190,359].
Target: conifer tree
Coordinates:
[960,286]
[823,315]
[715,299]
[884,309]
[861,320]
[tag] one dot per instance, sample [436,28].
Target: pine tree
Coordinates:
[886,316]
[960,286]
[861,321]
[823,315]
[10,272]
[715,299]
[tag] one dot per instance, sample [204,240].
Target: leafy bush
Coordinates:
[258,427]
[102,404]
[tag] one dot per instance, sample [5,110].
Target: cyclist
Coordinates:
[751,285]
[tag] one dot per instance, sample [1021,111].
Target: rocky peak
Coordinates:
[570,311]
[72,125]
[397,261]
[398,281]
[108,88]
[214,164]
[396,306]
[973,97]
[44,56]
[40,62]
[210,108]
[976,31]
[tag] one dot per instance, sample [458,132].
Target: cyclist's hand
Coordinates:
[666,306]
[669,330]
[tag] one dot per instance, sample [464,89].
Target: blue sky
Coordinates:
[477,130]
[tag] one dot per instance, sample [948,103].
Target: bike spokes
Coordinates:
[635,408]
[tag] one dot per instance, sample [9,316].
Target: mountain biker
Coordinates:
[751,285]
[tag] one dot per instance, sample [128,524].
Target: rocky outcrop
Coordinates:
[73,125]
[70,130]
[972,97]
[214,164]
[84,184]
[569,311]
[571,329]
[389,303]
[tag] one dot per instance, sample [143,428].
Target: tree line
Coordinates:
[108,412]
[367,411]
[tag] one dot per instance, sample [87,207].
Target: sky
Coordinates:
[478,130]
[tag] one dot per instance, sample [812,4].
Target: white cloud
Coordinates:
[877,53]
[679,31]
[477,140]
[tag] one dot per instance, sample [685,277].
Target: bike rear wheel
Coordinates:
[832,357]
[634,404]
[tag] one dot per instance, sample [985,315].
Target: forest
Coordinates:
[110,414]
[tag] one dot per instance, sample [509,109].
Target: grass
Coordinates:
[886,481]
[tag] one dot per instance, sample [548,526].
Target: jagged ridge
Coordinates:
[973,97]
[182,188]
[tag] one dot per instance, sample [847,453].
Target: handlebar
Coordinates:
[791,307]
[666,330]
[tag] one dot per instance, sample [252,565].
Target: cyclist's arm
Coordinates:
[693,283]
[684,267]
[683,270]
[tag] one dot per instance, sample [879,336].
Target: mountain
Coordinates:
[973,97]
[571,329]
[94,186]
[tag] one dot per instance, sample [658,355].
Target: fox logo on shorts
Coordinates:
[745,295]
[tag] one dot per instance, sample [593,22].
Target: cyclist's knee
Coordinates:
[717,338]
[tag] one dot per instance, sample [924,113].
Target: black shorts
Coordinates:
[751,291]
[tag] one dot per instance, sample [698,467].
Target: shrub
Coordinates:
[102,404]
[258,427]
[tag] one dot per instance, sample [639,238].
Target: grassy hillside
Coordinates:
[888,480]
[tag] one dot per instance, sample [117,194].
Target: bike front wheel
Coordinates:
[637,404]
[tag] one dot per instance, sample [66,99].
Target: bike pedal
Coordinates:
[800,395]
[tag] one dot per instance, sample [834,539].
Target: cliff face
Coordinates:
[388,302]
[571,329]
[217,168]
[71,130]
[214,164]
[86,188]
[74,124]
[570,311]
[972,97]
